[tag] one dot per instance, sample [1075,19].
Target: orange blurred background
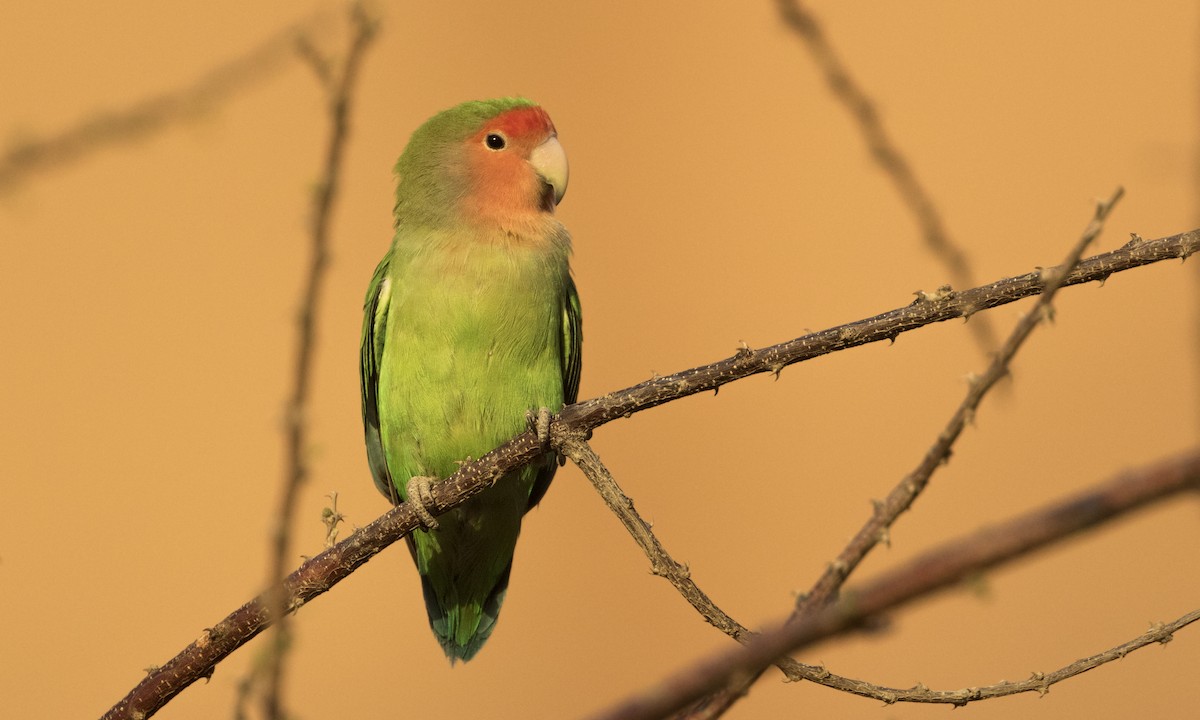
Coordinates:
[718,195]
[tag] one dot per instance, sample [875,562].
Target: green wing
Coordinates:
[375,310]
[572,357]
[572,363]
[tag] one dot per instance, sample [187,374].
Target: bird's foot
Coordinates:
[420,497]
[539,422]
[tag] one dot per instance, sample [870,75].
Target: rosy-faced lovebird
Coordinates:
[471,328]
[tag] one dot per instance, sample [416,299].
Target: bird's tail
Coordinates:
[463,626]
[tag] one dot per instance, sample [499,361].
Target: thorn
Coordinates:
[1160,629]
[331,518]
[885,537]
[1103,279]
[1040,678]
[743,350]
[776,370]
[942,293]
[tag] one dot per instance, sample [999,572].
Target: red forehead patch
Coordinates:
[523,122]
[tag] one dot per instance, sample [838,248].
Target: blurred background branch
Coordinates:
[337,77]
[959,560]
[886,153]
[149,116]
[718,670]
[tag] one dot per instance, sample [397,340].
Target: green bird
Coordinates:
[471,328]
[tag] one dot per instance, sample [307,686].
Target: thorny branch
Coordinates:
[910,487]
[887,154]
[339,88]
[728,666]
[932,571]
[939,306]
[662,564]
[902,496]
[320,573]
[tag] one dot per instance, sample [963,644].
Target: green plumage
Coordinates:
[469,325]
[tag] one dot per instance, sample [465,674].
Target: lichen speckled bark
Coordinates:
[321,572]
[926,309]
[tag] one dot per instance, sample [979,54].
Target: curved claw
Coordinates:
[419,497]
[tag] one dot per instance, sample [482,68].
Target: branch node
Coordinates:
[944,292]
[1160,633]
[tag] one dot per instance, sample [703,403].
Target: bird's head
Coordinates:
[492,161]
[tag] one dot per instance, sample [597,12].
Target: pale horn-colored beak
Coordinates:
[550,162]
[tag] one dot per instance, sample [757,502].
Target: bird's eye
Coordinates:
[495,141]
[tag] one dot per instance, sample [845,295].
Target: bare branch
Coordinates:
[906,491]
[935,570]
[948,564]
[323,571]
[296,470]
[928,308]
[731,666]
[886,153]
[910,487]
[662,564]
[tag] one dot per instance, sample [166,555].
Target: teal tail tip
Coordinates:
[456,652]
